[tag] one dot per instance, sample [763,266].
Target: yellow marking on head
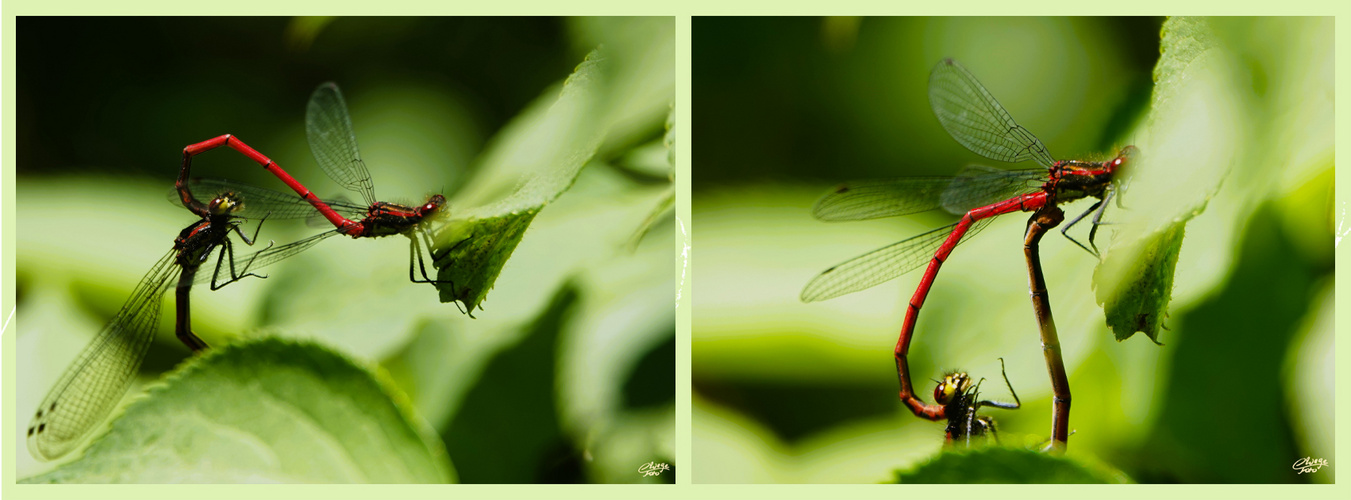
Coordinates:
[225,203]
[952,384]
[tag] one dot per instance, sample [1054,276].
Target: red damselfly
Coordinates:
[975,119]
[961,400]
[333,143]
[276,205]
[89,389]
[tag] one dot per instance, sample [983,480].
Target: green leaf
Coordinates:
[664,206]
[617,89]
[1140,304]
[265,411]
[472,265]
[996,465]
[667,203]
[670,138]
[1184,161]
[548,145]
[579,231]
[1182,42]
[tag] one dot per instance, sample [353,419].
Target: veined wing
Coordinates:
[263,258]
[975,119]
[333,142]
[881,265]
[261,202]
[100,375]
[976,186]
[871,199]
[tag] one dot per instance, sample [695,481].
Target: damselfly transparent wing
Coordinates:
[978,186]
[976,120]
[333,142]
[974,187]
[265,257]
[882,265]
[261,202]
[871,199]
[93,384]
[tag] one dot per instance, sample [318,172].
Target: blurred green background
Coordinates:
[568,373]
[786,108]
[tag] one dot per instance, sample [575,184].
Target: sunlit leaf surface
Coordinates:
[995,465]
[270,411]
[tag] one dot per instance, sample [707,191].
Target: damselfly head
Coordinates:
[951,386]
[432,206]
[1123,158]
[225,203]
